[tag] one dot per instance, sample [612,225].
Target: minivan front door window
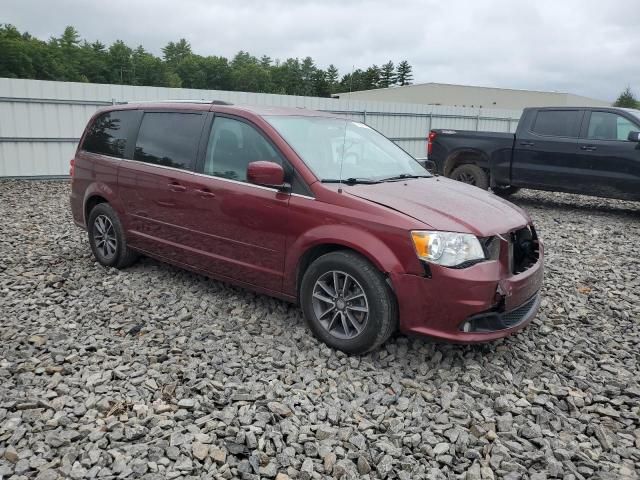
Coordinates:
[233,145]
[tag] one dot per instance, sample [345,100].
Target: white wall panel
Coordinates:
[40,121]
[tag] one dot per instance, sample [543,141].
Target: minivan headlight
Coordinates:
[448,249]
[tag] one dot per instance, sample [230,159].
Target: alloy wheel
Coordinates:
[340,304]
[466,178]
[104,236]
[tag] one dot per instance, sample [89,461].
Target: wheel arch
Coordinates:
[465,156]
[98,193]
[302,254]
[90,203]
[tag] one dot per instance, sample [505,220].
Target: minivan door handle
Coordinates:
[589,148]
[176,187]
[527,144]
[206,193]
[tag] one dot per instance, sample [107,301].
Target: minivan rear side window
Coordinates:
[169,139]
[557,123]
[109,133]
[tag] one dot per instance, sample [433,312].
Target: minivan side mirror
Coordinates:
[267,174]
[634,137]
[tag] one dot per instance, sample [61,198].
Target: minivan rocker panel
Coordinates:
[389,248]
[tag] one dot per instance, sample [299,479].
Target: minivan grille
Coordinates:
[524,249]
[514,317]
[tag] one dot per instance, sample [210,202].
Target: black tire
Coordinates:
[381,318]
[505,191]
[110,254]
[472,175]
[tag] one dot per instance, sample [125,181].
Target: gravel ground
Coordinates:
[155,372]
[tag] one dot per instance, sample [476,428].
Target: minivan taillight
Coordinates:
[430,139]
[72,167]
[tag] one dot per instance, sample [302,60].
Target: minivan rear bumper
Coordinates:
[493,305]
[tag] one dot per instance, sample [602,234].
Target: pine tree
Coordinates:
[332,78]
[70,38]
[174,53]
[403,74]
[372,77]
[627,99]
[387,75]
[307,70]
[265,61]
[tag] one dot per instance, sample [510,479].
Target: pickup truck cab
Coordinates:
[591,151]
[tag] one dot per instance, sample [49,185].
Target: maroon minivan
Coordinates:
[310,208]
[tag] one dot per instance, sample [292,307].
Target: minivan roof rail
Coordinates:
[212,102]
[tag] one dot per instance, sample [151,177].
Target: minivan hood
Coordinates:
[444,204]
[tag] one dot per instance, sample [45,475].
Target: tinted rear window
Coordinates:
[557,123]
[109,133]
[170,139]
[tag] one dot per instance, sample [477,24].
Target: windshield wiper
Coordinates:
[350,181]
[404,176]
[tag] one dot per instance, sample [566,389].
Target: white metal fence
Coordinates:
[41,121]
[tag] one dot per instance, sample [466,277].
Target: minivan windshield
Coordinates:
[340,149]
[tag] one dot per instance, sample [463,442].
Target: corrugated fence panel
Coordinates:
[41,121]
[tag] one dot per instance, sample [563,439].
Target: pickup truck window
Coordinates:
[609,126]
[557,123]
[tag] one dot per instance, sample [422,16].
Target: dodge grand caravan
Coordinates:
[310,208]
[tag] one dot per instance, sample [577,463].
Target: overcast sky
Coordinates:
[587,47]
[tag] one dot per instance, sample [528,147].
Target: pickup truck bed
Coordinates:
[593,151]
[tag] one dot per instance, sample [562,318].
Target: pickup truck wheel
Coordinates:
[347,303]
[505,191]
[472,175]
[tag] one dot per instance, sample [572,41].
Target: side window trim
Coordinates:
[204,142]
[129,151]
[579,123]
[290,171]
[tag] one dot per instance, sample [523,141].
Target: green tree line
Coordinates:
[70,58]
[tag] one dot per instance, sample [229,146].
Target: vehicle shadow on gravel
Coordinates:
[579,203]
[283,323]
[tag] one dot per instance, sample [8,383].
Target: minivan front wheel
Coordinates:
[106,238]
[347,303]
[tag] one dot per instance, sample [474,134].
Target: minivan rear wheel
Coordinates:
[106,238]
[347,303]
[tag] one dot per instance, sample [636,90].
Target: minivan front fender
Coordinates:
[325,238]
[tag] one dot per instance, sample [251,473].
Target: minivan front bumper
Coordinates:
[470,305]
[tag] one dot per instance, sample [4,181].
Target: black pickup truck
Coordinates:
[592,151]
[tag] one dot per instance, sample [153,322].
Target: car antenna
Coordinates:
[344,138]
